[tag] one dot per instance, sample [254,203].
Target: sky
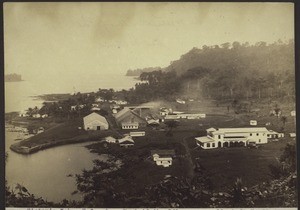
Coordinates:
[58,39]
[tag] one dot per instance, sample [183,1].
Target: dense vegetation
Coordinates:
[137,72]
[99,189]
[230,71]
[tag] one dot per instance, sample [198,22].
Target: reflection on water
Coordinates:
[45,173]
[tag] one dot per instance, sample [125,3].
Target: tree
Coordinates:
[283,120]
[171,125]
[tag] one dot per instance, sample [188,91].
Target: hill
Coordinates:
[137,72]
[260,57]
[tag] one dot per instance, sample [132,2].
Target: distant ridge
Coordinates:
[137,72]
[13,78]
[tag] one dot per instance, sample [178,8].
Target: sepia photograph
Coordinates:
[149,105]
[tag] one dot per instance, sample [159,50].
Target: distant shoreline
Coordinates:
[13,78]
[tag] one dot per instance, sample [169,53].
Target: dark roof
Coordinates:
[163,152]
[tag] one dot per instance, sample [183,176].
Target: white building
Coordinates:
[130,125]
[45,115]
[191,116]
[228,137]
[95,121]
[171,117]
[163,157]
[180,101]
[293,113]
[40,130]
[274,135]
[126,141]
[120,102]
[99,99]
[110,139]
[95,109]
[137,133]
[36,116]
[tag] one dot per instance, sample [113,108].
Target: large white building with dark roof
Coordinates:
[228,137]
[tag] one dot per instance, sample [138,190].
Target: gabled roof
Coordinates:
[211,129]
[126,139]
[152,121]
[126,112]
[163,152]
[94,117]
[205,139]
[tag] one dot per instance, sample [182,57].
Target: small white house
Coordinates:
[44,115]
[126,141]
[95,109]
[191,116]
[180,101]
[95,105]
[36,116]
[95,121]
[253,122]
[73,108]
[293,113]
[153,122]
[40,130]
[114,111]
[171,117]
[130,125]
[274,135]
[163,161]
[292,135]
[110,139]
[163,157]
[99,99]
[137,133]
[121,102]
[163,112]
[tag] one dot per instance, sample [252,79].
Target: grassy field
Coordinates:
[62,133]
[224,165]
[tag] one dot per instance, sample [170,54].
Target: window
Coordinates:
[259,140]
[257,134]
[208,145]
[219,136]
[213,144]
[250,134]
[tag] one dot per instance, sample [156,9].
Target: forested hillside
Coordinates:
[227,71]
[260,58]
[137,72]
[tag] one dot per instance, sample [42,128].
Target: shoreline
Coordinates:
[69,135]
[30,150]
